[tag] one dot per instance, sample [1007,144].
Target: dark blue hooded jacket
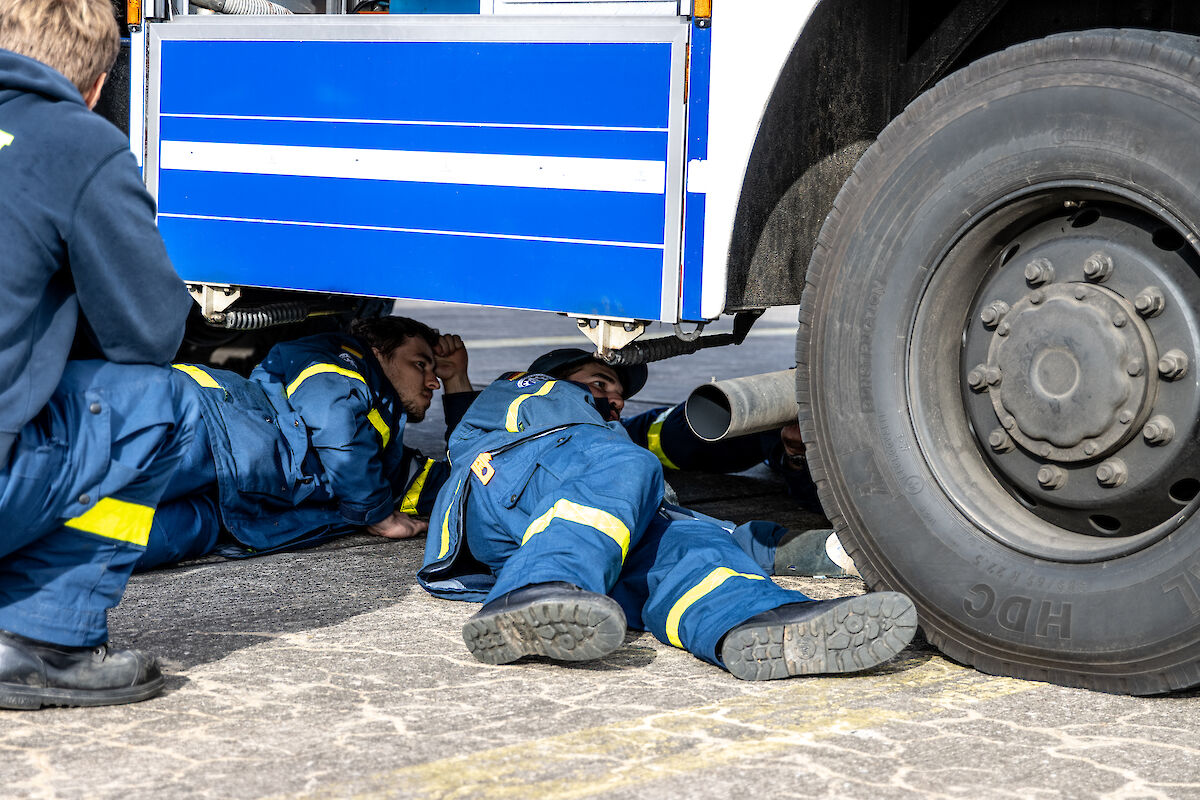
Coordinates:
[77,239]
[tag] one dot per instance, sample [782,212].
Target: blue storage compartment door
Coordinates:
[531,163]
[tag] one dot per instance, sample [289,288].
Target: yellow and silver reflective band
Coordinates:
[564,509]
[711,581]
[352,351]
[654,438]
[376,419]
[413,495]
[317,369]
[510,422]
[116,519]
[446,522]
[198,375]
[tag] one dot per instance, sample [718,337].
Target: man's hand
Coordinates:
[398,526]
[451,367]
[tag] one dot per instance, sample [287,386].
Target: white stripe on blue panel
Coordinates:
[470,169]
[423,123]
[388,229]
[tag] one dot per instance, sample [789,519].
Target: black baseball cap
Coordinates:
[566,359]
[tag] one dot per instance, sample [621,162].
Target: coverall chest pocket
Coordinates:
[543,471]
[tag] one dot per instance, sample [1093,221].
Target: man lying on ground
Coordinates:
[555,520]
[311,446]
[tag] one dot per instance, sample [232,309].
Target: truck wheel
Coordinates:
[998,355]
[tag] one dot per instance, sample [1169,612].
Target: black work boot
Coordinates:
[815,553]
[820,637]
[35,674]
[557,620]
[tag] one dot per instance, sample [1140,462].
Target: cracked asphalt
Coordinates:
[330,673]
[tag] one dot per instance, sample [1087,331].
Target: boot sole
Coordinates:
[577,629]
[20,698]
[857,634]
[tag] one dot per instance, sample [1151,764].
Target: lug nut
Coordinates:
[1003,329]
[1173,365]
[1135,368]
[1158,430]
[977,378]
[1039,271]
[1150,302]
[1090,448]
[1098,267]
[1112,473]
[992,376]
[1000,441]
[1125,417]
[1037,297]
[994,312]
[1052,477]
[1119,320]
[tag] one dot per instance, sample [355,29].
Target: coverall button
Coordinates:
[512,499]
[268,419]
[94,408]
[84,499]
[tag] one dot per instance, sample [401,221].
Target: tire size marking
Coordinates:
[1032,580]
[893,446]
[1016,613]
[1186,583]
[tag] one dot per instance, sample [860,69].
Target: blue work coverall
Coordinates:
[86,447]
[79,492]
[311,447]
[543,489]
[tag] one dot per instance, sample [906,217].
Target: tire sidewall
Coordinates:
[1032,118]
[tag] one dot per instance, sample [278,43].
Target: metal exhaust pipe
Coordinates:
[739,406]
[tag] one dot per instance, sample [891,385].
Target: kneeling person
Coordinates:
[554,519]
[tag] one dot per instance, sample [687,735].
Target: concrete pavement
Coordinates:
[329,673]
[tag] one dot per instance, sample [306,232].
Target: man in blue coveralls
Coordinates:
[665,432]
[86,447]
[555,520]
[311,446]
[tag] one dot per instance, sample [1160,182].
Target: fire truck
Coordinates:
[987,210]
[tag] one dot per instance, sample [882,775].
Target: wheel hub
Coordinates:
[1070,360]
[1078,366]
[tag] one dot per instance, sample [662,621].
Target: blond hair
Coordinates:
[79,38]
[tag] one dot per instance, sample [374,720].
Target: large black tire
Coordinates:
[991,336]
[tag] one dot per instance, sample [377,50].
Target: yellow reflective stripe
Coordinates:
[606,523]
[116,519]
[510,423]
[710,582]
[317,369]
[198,375]
[6,139]
[352,351]
[446,524]
[654,439]
[409,504]
[376,419]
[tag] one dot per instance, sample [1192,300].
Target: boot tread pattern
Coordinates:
[564,630]
[857,634]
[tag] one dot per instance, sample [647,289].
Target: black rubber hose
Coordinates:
[670,346]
